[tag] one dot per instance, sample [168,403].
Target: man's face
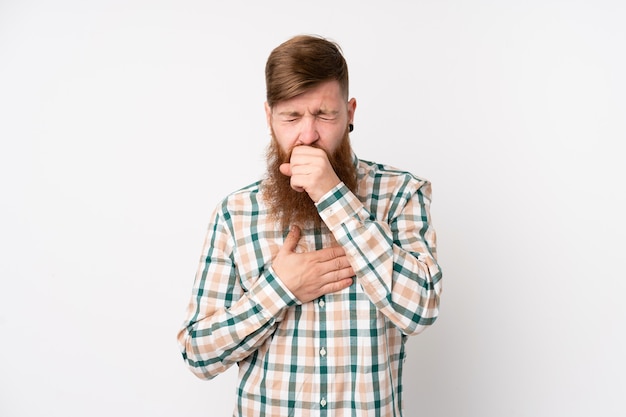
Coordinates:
[318,117]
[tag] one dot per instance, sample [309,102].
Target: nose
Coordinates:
[308,131]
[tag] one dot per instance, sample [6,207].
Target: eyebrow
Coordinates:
[317,113]
[327,112]
[289,113]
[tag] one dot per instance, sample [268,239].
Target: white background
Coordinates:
[123,123]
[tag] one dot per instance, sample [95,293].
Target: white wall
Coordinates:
[122,123]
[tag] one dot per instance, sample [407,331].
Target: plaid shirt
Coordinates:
[342,354]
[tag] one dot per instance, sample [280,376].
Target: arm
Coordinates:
[225,324]
[394,258]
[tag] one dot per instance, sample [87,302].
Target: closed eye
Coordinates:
[327,115]
[289,117]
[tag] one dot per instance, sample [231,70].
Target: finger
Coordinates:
[291,241]
[342,263]
[295,185]
[337,285]
[328,254]
[304,150]
[335,269]
[308,158]
[308,162]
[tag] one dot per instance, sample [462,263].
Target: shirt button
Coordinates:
[322,303]
[323,352]
[323,402]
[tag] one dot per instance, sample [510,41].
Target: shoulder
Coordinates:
[387,175]
[247,195]
[243,201]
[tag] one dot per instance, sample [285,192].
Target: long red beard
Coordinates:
[288,206]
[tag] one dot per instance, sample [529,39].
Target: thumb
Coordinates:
[291,241]
[285,169]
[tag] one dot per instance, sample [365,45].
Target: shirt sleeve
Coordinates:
[394,257]
[225,323]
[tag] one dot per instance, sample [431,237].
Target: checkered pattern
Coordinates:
[342,354]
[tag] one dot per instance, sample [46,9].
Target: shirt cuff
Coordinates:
[272,295]
[340,205]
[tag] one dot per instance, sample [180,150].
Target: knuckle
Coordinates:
[338,264]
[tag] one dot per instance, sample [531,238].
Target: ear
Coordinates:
[351,110]
[268,115]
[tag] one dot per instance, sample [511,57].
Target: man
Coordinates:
[311,279]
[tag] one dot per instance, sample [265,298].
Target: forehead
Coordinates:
[326,96]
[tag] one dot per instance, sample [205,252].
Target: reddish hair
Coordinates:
[302,63]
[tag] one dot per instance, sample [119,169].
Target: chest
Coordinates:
[254,252]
